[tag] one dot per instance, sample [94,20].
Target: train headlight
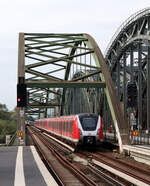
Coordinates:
[98,131]
[80,132]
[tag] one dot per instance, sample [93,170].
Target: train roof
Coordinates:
[69,116]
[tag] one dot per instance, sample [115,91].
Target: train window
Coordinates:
[59,125]
[88,122]
[54,124]
[71,125]
[63,124]
[66,127]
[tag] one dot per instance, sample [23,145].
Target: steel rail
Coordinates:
[130,172]
[104,176]
[136,168]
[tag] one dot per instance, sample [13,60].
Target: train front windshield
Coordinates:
[89,123]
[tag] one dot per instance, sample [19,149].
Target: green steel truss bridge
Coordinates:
[67,74]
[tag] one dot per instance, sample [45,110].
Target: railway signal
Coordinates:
[21,95]
[131,94]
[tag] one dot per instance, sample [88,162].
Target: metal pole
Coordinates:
[118,80]
[139,87]
[131,64]
[21,79]
[148,89]
[124,83]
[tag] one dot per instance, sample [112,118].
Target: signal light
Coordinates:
[131,94]
[18,100]
[129,99]
[21,95]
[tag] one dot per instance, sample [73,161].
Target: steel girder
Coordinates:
[127,57]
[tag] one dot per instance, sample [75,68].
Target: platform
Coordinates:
[23,166]
[140,153]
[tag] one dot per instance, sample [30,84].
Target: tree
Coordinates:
[8,122]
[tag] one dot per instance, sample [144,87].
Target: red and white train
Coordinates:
[78,129]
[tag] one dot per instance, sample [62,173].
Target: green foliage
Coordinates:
[8,123]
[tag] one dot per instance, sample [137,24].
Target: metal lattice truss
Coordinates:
[50,63]
[128,58]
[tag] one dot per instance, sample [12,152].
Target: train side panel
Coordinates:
[70,128]
[75,132]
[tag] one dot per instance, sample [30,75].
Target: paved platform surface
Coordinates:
[143,149]
[140,153]
[22,166]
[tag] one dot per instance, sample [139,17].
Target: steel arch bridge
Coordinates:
[49,63]
[128,59]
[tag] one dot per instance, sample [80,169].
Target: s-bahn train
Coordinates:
[77,129]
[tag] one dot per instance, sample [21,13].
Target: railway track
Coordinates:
[132,171]
[93,172]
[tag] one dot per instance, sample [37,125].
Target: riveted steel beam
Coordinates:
[66,84]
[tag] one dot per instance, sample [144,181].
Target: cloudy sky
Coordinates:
[96,17]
